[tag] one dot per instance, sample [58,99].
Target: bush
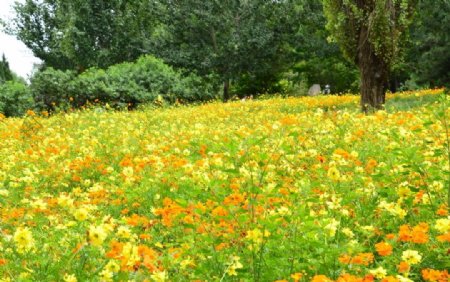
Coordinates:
[15,98]
[51,87]
[121,85]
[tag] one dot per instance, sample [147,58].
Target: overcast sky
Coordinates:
[20,58]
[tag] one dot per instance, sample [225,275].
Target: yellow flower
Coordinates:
[81,214]
[348,232]
[65,201]
[411,257]
[404,279]
[187,262]
[130,254]
[334,174]
[160,276]
[106,275]
[70,278]
[97,235]
[442,225]
[112,266]
[255,235]
[332,227]
[379,272]
[128,171]
[234,265]
[23,239]
[124,232]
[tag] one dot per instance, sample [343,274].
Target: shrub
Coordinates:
[126,84]
[50,88]
[15,98]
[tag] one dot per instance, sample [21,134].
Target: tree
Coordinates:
[429,56]
[78,34]
[319,61]
[230,38]
[370,34]
[5,72]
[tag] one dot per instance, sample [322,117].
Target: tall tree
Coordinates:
[78,34]
[230,37]
[5,72]
[370,34]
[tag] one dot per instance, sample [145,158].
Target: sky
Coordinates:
[20,58]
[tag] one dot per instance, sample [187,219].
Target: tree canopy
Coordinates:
[78,34]
[5,72]
[230,38]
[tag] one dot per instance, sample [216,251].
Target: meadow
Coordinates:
[295,189]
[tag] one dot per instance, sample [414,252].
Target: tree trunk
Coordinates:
[226,90]
[374,75]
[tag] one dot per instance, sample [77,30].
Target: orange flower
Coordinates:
[390,236]
[219,211]
[371,164]
[321,158]
[383,249]
[442,211]
[435,275]
[390,279]
[404,234]
[321,278]
[349,278]
[234,199]
[145,236]
[116,250]
[361,259]
[403,267]
[419,233]
[221,246]
[444,238]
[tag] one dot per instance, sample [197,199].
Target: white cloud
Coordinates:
[21,59]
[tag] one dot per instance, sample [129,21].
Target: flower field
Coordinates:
[298,189]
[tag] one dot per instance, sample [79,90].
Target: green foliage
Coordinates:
[51,87]
[429,57]
[385,23]
[233,39]
[78,34]
[121,85]
[319,61]
[5,72]
[15,98]
[341,76]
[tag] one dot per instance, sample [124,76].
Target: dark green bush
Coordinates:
[121,85]
[51,88]
[15,98]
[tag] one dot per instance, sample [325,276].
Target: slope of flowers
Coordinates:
[282,189]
